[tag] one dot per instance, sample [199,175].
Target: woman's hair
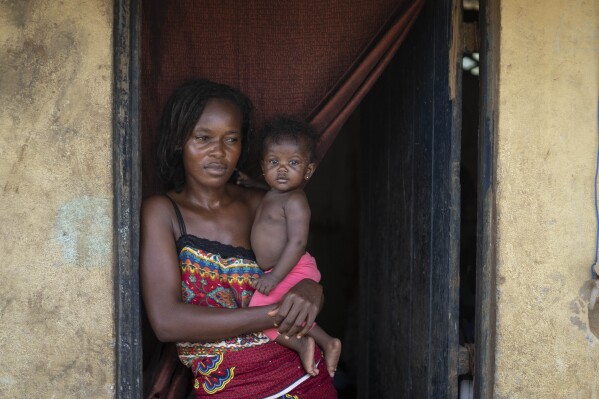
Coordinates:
[283,128]
[180,115]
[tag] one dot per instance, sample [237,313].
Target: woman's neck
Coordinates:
[207,197]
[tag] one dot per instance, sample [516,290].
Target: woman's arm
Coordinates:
[172,319]
[298,309]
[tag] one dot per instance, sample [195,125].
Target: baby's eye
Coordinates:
[293,162]
[273,162]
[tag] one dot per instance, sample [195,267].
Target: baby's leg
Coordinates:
[304,347]
[330,345]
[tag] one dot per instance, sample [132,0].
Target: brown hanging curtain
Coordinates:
[313,59]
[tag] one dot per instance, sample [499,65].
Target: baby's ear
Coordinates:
[310,170]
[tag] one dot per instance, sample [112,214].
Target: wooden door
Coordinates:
[409,267]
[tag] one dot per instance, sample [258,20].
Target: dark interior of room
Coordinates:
[334,198]
[468,182]
[335,228]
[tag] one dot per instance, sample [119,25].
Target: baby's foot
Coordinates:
[306,354]
[332,352]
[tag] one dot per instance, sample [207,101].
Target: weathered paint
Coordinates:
[78,225]
[56,295]
[546,144]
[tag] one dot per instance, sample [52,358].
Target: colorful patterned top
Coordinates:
[250,366]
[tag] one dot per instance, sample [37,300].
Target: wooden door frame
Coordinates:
[127,197]
[485,317]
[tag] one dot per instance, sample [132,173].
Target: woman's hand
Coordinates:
[299,308]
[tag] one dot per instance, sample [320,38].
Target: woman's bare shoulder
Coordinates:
[157,207]
[158,201]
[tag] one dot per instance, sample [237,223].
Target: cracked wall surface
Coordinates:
[547,340]
[56,292]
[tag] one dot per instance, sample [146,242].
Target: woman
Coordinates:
[196,262]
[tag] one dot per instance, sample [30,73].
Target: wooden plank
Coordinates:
[410,218]
[423,76]
[127,198]
[446,199]
[400,212]
[485,316]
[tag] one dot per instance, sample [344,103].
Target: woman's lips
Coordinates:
[216,168]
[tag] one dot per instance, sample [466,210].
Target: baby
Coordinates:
[280,231]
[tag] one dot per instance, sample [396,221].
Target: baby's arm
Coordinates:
[297,218]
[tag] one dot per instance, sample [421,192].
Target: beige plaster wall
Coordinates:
[56,288]
[547,343]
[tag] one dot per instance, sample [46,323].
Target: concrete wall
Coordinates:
[56,275]
[56,289]
[547,342]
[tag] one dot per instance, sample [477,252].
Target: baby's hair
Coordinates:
[182,112]
[283,128]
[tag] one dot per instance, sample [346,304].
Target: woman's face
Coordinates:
[212,150]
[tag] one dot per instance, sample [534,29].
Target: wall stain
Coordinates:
[594,320]
[585,319]
[13,180]
[5,303]
[19,11]
[578,323]
[48,58]
[83,228]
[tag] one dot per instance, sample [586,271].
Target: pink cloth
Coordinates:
[305,268]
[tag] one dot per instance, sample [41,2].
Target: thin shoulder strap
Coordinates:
[179,217]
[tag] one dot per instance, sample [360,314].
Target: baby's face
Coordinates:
[286,165]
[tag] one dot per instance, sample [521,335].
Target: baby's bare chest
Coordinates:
[270,215]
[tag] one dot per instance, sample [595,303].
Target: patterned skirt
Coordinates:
[264,371]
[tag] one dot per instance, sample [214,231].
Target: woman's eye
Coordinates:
[232,140]
[202,138]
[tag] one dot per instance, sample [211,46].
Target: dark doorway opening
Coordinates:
[334,240]
[469,195]
[392,292]
[385,227]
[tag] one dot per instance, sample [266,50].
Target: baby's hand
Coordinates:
[246,181]
[266,283]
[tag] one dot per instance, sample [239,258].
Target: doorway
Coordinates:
[403,232]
